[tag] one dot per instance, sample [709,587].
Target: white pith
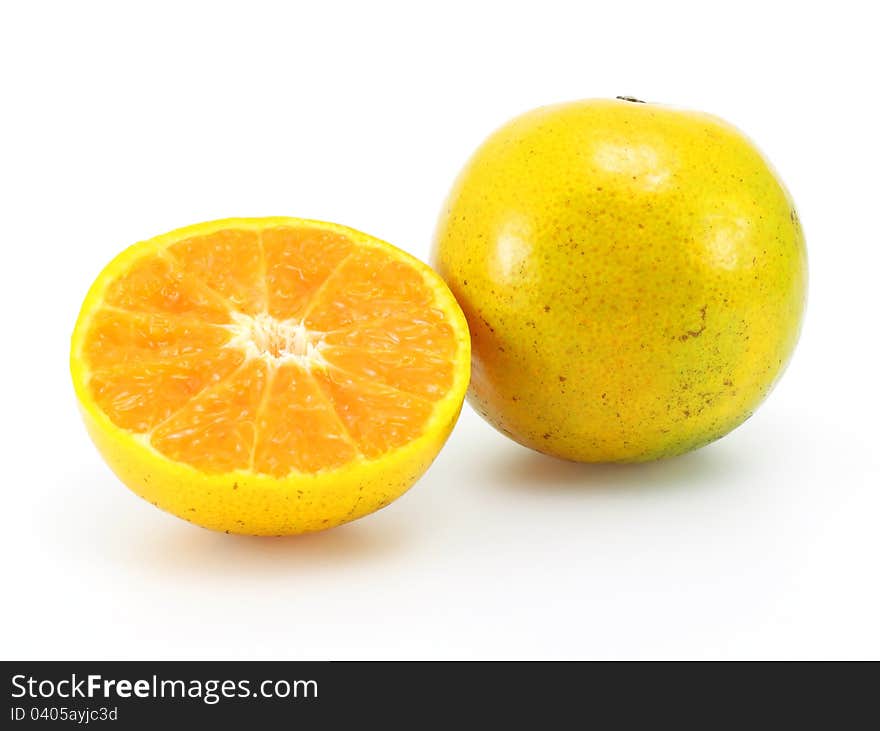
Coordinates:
[276,341]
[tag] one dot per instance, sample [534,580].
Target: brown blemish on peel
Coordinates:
[696,333]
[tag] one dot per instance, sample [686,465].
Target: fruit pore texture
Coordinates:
[633,276]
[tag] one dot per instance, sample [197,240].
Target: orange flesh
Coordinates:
[273,351]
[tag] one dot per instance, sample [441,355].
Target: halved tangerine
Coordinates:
[269,375]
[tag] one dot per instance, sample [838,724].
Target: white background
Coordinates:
[120,122]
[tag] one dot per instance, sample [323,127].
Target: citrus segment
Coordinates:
[309,363]
[406,330]
[215,430]
[416,372]
[119,336]
[301,430]
[367,285]
[377,417]
[229,262]
[139,396]
[155,284]
[298,260]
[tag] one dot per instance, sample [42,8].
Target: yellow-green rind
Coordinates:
[257,504]
[633,275]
